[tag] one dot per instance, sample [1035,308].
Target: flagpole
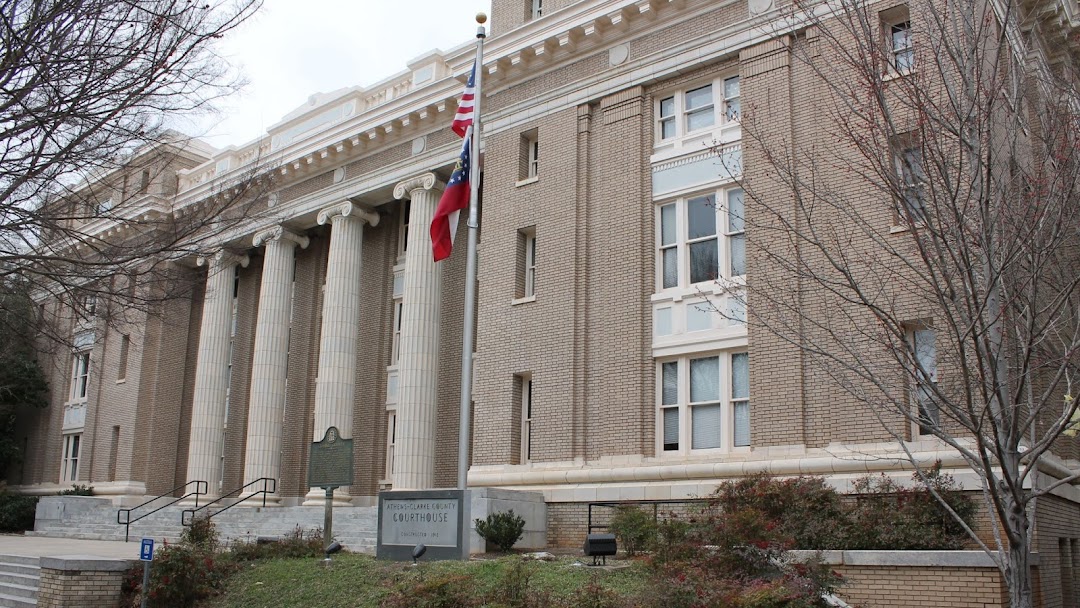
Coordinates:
[470,267]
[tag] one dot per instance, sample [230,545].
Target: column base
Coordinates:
[316,497]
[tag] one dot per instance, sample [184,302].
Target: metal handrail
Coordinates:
[201,488]
[184,521]
[655,504]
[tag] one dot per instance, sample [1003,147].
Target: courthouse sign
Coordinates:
[434,518]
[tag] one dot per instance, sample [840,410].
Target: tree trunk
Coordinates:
[1018,568]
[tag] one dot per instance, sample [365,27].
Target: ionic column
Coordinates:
[212,372]
[414,451]
[335,389]
[271,358]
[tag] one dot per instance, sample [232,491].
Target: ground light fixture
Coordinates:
[331,549]
[599,546]
[418,551]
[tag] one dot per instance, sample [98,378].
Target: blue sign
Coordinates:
[146,552]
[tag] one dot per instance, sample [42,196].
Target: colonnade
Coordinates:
[335,389]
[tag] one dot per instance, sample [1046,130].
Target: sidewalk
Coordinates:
[37,546]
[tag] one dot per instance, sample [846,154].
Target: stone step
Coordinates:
[30,580]
[24,591]
[26,568]
[14,601]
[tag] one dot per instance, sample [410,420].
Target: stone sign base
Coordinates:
[443,521]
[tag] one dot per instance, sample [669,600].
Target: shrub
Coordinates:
[595,595]
[77,490]
[806,511]
[201,534]
[501,529]
[634,528]
[886,515]
[17,512]
[184,574]
[298,543]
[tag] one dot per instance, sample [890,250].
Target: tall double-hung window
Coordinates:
[701,238]
[704,403]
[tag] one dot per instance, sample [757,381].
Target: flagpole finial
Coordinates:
[481,18]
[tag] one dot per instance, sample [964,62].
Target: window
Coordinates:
[526,418]
[80,376]
[144,181]
[691,250]
[103,206]
[403,228]
[398,307]
[529,163]
[537,9]
[924,350]
[125,345]
[699,108]
[89,304]
[704,403]
[391,438]
[69,464]
[526,256]
[896,28]
[911,177]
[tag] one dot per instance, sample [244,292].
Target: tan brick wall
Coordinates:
[892,586]
[78,589]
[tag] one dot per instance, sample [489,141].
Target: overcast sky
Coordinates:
[293,48]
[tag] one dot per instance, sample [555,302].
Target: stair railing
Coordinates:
[269,486]
[199,490]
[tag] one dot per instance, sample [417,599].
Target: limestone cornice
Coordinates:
[224,257]
[346,209]
[424,181]
[279,233]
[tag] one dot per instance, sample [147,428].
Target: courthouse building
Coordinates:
[613,358]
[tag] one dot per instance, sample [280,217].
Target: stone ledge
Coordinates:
[85,563]
[911,559]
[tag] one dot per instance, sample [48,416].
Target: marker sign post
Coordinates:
[146,555]
[330,465]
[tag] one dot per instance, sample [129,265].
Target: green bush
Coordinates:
[77,490]
[201,534]
[807,512]
[17,512]
[501,529]
[634,528]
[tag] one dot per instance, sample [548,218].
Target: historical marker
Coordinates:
[331,462]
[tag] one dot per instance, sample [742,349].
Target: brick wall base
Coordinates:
[76,582]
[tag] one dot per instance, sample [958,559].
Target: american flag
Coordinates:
[463,118]
[454,199]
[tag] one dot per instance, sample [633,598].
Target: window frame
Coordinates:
[910,172]
[892,19]
[391,442]
[682,244]
[527,412]
[685,407]
[920,381]
[529,287]
[70,457]
[537,9]
[79,381]
[720,104]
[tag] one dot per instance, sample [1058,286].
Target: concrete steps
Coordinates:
[95,519]
[19,578]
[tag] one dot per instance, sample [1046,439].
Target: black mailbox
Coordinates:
[600,545]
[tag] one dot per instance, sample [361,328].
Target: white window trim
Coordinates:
[80,371]
[403,229]
[684,287]
[909,181]
[530,265]
[391,436]
[888,25]
[526,418]
[533,145]
[71,451]
[681,112]
[916,379]
[537,9]
[683,405]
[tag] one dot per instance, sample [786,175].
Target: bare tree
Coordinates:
[87,161]
[917,244]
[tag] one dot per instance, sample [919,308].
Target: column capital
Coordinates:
[224,257]
[279,233]
[345,209]
[425,181]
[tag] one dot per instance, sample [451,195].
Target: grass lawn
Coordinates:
[359,581]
